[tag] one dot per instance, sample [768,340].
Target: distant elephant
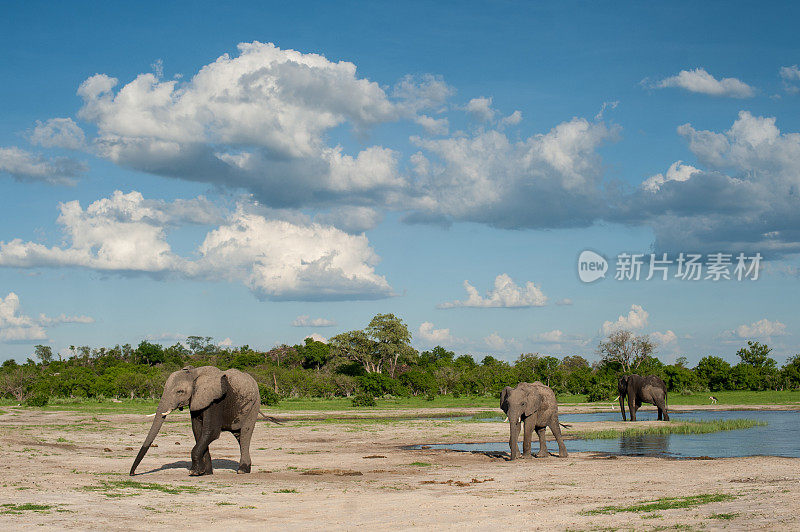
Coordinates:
[217,401]
[638,389]
[535,405]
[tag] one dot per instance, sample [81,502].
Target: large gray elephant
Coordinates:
[217,400]
[533,404]
[638,390]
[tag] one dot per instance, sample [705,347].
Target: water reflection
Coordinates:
[644,445]
[780,437]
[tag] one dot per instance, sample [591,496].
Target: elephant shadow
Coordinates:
[217,463]
[505,455]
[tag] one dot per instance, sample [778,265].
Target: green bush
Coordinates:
[268,395]
[363,399]
[37,400]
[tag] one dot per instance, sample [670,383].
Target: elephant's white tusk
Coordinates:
[505,420]
[520,419]
[165,413]
[152,415]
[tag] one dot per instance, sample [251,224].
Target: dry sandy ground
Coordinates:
[351,474]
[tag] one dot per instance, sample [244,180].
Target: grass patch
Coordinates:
[766,397]
[112,488]
[666,503]
[420,464]
[286,490]
[692,426]
[725,517]
[11,508]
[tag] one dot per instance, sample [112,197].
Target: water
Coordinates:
[781,437]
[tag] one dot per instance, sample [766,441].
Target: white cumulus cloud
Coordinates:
[481,108]
[495,342]
[18,327]
[307,321]
[58,133]
[762,328]
[677,171]
[506,293]
[700,81]
[635,319]
[431,335]
[25,166]
[276,259]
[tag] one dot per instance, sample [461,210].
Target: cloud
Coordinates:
[26,166]
[261,121]
[666,338]
[606,105]
[790,75]
[481,108]
[307,321]
[676,172]
[495,342]
[275,259]
[353,220]
[762,328]
[506,293]
[564,302]
[17,327]
[317,338]
[513,119]
[422,92]
[58,133]
[431,335]
[434,126]
[227,342]
[700,81]
[745,199]
[635,319]
[545,181]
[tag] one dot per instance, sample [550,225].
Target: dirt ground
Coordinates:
[348,474]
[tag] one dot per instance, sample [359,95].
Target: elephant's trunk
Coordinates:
[622,406]
[161,414]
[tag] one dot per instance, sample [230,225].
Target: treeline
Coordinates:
[379,361]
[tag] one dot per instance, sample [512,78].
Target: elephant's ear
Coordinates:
[207,388]
[534,402]
[504,398]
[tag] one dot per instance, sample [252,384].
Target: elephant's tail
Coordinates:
[269,418]
[565,426]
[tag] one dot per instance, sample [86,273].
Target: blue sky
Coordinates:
[258,173]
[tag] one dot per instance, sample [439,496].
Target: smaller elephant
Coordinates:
[217,400]
[533,404]
[638,389]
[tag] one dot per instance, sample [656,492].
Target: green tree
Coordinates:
[150,354]
[625,348]
[713,372]
[392,341]
[791,372]
[357,347]
[315,354]
[43,353]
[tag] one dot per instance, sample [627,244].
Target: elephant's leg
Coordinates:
[526,439]
[543,453]
[209,432]
[204,464]
[243,437]
[632,407]
[562,449]
[662,409]
[513,439]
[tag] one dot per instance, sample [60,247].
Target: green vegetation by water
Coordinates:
[666,503]
[692,426]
